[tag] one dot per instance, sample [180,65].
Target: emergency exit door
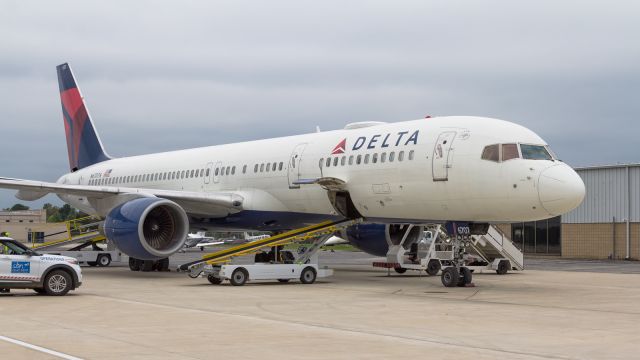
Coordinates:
[441,159]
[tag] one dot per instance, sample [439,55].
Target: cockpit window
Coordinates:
[509,151]
[491,152]
[535,152]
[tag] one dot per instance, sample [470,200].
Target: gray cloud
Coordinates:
[199,73]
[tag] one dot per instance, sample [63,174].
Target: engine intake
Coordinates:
[147,228]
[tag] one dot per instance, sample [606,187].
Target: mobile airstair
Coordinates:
[457,248]
[80,241]
[218,266]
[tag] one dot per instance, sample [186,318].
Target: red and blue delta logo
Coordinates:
[340,148]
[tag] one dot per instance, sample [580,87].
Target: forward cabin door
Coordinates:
[441,161]
[293,165]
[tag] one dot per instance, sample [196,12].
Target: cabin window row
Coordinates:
[268,167]
[366,158]
[171,175]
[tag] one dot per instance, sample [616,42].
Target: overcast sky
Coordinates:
[170,75]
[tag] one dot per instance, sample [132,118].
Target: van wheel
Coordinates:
[239,277]
[308,275]
[57,283]
[103,260]
[400,270]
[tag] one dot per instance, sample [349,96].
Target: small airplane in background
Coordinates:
[200,240]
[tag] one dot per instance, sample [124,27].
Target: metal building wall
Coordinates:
[611,191]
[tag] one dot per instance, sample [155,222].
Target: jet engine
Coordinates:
[147,228]
[375,239]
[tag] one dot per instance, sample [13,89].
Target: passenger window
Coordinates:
[491,153]
[321,163]
[535,152]
[268,167]
[328,162]
[228,170]
[509,151]
[274,167]
[411,155]
[351,160]
[255,168]
[359,160]
[343,161]
[335,161]
[392,155]
[383,157]
[280,166]
[262,167]
[182,174]
[217,171]
[208,171]
[366,159]
[374,158]
[401,156]
[244,169]
[233,170]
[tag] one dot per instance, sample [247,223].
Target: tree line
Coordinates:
[54,213]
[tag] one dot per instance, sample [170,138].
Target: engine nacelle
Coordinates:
[375,239]
[147,228]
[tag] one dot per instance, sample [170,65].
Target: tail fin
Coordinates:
[83,143]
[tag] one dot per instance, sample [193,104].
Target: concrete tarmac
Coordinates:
[359,313]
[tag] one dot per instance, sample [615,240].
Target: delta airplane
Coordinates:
[456,168]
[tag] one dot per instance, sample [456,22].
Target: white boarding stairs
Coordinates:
[496,245]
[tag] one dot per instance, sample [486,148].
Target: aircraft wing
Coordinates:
[213,243]
[210,203]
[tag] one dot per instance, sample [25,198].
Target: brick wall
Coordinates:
[599,241]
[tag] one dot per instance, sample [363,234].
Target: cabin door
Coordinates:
[293,165]
[441,159]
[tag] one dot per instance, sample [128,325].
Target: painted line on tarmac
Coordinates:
[39,348]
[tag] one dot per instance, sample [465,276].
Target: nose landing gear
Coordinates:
[456,274]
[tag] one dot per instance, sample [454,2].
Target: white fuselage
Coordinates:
[441,175]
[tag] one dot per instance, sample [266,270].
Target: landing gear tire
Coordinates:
[503,267]
[103,260]
[239,277]
[147,265]
[284,280]
[450,276]
[433,267]
[135,264]
[57,283]
[214,279]
[163,264]
[308,275]
[400,270]
[465,277]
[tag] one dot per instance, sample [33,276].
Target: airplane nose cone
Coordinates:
[560,189]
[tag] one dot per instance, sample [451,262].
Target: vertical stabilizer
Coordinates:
[83,144]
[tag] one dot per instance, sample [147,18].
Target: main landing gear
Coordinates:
[456,274]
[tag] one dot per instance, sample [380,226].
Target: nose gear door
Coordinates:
[441,161]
